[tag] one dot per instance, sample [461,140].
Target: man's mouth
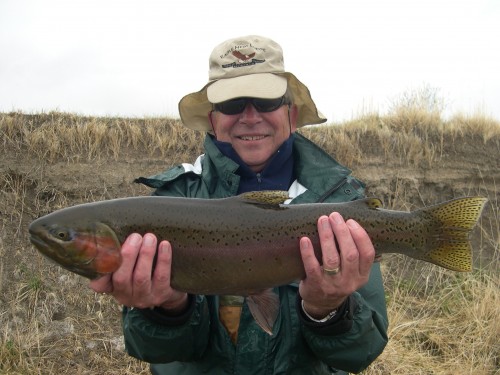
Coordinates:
[252,137]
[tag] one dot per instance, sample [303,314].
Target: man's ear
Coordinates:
[293,114]
[210,120]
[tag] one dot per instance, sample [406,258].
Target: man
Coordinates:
[332,321]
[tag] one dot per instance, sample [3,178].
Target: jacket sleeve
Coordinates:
[354,340]
[155,338]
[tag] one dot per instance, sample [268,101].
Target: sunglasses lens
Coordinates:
[237,106]
[231,107]
[267,105]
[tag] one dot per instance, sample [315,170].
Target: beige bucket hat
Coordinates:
[248,66]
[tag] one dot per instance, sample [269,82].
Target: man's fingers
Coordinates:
[348,252]
[311,264]
[330,253]
[122,277]
[144,264]
[364,245]
[161,273]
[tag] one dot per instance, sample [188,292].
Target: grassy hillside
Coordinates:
[51,322]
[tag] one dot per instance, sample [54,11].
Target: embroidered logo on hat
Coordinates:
[242,60]
[241,56]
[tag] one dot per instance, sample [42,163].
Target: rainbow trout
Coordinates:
[249,243]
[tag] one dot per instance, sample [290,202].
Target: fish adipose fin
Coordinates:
[372,203]
[264,307]
[451,248]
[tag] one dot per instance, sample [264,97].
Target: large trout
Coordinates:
[249,243]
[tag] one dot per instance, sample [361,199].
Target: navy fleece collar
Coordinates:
[277,175]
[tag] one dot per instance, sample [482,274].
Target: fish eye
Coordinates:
[62,234]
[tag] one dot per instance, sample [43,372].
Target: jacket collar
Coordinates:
[316,170]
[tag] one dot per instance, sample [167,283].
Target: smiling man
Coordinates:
[333,321]
[254,127]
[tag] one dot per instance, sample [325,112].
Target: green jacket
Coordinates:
[197,343]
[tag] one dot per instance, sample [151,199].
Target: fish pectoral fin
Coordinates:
[265,199]
[264,308]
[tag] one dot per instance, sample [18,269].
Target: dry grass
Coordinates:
[50,323]
[61,136]
[441,323]
[409,136]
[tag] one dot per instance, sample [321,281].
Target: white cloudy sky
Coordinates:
[138,58]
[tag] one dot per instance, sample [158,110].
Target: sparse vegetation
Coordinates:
[441,322]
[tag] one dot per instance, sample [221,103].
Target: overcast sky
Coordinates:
[138,58]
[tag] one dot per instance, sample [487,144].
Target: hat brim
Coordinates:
[261,85]
[195,107]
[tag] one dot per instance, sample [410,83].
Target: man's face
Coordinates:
[254,135]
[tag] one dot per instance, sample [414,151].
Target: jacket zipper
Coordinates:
[259,178]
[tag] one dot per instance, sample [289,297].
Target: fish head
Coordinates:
[90,250]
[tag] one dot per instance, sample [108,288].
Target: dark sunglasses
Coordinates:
[237,106]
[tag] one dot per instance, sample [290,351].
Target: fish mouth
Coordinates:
[39,243]
[44,247]
[37,238]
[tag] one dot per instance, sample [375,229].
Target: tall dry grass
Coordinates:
[64,136]
[50,323]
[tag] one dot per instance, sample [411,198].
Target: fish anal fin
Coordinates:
[264,307]
[265,199]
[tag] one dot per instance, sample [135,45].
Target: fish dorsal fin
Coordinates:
[265,199]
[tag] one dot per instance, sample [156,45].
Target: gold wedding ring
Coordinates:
[331,272]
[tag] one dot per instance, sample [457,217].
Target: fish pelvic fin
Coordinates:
[452,248]
[271,199]
[264,308]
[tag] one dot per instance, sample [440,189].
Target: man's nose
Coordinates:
[250,114]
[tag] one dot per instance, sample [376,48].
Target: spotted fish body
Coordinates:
[249,242]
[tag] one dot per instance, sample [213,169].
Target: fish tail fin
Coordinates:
[264,307]
[451,246]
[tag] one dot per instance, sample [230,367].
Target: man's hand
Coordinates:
[345,247]
[138,282]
